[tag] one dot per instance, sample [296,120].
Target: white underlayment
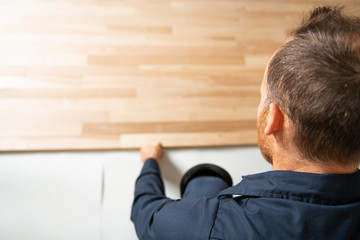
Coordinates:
[88,195]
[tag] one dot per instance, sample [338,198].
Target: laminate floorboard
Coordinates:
[105,74]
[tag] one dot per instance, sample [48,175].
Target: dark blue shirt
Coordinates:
[270,205]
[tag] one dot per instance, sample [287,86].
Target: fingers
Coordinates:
[152,151]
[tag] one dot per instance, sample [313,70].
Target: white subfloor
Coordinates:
[88,195]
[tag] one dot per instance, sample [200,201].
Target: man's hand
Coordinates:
[151,151]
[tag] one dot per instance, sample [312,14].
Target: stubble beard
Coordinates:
[263,140]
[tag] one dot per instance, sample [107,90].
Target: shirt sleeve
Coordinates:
[157,217]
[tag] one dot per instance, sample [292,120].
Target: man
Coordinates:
[309,130]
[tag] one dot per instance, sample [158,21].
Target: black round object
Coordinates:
[210,170]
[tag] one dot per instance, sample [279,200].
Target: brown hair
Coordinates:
[315,80]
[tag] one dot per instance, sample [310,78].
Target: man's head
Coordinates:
[314,80]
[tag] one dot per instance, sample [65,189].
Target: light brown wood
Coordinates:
[88,75]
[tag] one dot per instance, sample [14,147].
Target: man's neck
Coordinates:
[319,169]
[302,165]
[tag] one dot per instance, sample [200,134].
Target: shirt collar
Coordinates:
[316,188]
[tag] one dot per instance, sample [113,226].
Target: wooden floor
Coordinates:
[106,74]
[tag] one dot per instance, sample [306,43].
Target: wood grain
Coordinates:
[90,75]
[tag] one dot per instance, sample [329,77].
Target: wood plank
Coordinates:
[90,75]
[67,93]
[108,129]
[247,137]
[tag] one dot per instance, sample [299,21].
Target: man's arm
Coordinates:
[149,199]
[149,191]
[157,217]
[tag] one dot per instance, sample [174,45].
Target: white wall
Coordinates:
[88,195]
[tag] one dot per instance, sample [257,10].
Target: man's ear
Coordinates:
[274,119]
